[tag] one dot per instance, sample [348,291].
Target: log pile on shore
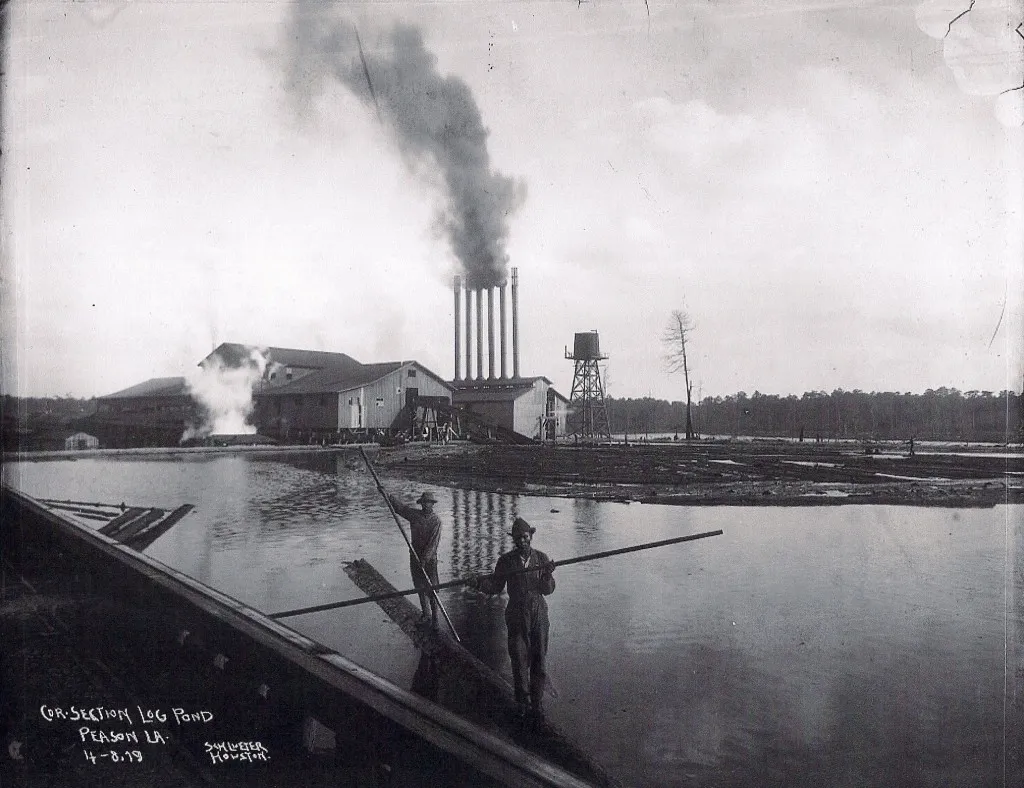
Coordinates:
[756,473]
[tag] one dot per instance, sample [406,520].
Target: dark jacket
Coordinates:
[524,589]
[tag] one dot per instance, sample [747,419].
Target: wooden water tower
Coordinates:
[588,419]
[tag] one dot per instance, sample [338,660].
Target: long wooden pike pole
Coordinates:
[467,580]
[419,563]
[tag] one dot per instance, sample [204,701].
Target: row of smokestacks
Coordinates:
[471,303]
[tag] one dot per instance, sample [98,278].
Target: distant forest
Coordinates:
[40,422]
[939,414]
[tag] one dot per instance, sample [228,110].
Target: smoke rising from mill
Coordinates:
[224,393]
[433,119]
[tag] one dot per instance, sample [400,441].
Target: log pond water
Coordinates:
[856,645]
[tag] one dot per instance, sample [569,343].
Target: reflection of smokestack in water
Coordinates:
[501,335]
[458,299]
[479,334]
[490,333]
[515,322]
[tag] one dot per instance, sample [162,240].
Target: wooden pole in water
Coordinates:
[433,591]
[467,580]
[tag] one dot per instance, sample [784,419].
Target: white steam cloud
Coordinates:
[983,45]
[224,394]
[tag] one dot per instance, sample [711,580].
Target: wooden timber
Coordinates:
[147,536]
[457,679]
[123,519]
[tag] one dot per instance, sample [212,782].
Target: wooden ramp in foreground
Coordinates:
[451,676]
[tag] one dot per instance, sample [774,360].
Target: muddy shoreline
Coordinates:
[722,473]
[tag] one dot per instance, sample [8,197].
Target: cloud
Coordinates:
[983,45]
[695,131]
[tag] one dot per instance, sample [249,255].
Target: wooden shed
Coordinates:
[81,440]
[331,403]
[529,406]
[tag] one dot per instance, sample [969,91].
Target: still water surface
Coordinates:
[808,646]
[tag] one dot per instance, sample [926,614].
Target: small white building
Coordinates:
[529,406]
[81,440]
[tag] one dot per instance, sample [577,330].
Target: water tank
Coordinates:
[586,346]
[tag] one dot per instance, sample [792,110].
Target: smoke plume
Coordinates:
[433,119]
[224,394]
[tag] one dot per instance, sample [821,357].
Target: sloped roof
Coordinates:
[154,387]
[336,379]
[342,379]
[492,394]
[495,390]
[484,383]
[234,354]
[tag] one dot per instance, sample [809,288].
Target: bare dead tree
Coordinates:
[675,340]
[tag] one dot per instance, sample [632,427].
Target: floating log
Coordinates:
[122,519]
[85,509]
[147,536]
[419,562]
[450,675]
[129,530]
[53,501]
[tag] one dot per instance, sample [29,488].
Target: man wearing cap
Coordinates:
[526,615]
[426,533]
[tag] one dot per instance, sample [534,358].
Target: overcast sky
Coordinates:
[833,191]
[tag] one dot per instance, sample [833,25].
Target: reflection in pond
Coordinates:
[807,646]
[426,679]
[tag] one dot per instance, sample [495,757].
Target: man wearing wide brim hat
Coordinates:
[425,527]
[526,615]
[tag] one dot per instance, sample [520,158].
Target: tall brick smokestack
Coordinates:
[479,334]
[490,333]
[469,335]
[458,302]
[515,323]
[501,301]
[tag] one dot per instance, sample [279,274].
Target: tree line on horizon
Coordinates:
[945,414]
[937,414]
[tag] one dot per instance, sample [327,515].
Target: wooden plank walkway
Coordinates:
[451,676]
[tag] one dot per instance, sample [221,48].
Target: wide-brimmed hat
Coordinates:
[426,498]
[520,526]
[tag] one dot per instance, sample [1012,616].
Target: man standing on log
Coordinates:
[526,615]
[426,533]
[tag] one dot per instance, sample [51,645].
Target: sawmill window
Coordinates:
[412,373]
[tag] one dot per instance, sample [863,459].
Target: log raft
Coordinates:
[135,526]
